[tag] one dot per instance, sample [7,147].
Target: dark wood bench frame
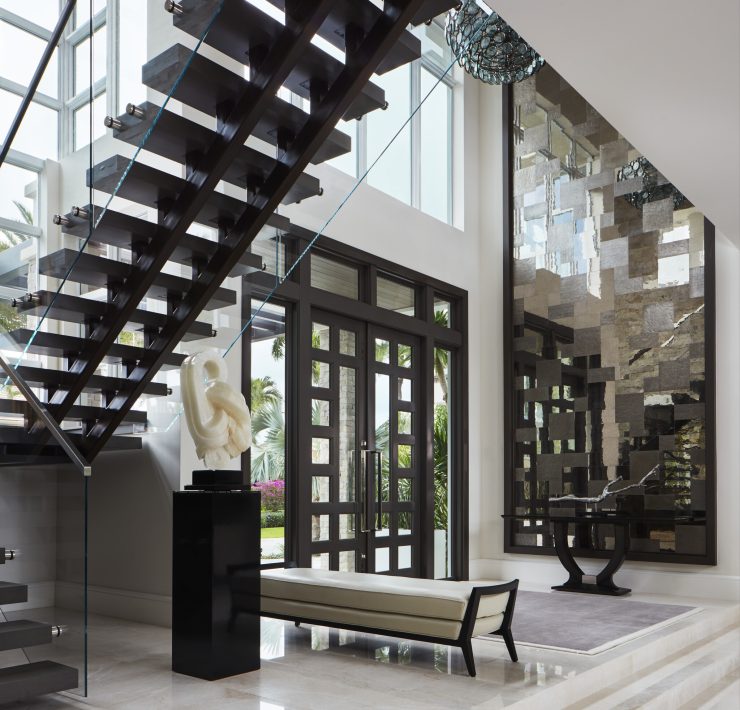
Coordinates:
[463,641]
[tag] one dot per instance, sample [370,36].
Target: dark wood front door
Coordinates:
[365,463]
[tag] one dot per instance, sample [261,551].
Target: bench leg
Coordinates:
[509,641]
[467,650]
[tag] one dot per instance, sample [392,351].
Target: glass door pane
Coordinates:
[393,399]
[336,391]
[442,438]
[268,391]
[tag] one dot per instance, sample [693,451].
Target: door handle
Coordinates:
[379,489]
[367,502]
[367,455]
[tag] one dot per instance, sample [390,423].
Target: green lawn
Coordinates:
[273,532]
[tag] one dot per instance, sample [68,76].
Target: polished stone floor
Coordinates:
[314,667]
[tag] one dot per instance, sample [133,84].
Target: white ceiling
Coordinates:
[664,73]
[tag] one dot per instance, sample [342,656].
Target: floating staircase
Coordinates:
[155,276]
[28,680]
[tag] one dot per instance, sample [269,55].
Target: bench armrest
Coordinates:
[471,612]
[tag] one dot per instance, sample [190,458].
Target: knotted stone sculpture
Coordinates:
[217,415]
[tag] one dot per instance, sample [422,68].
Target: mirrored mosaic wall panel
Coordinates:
[610,331]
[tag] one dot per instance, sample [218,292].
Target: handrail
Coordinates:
[44,416]
[51,45]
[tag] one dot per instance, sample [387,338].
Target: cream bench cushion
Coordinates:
[402,604]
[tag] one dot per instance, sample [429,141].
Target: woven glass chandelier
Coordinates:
[487,48]
[654,185]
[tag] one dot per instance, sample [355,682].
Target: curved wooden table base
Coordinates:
[604,579]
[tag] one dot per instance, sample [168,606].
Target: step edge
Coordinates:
[576,689]
[648,676]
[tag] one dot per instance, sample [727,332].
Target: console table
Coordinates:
[620,520]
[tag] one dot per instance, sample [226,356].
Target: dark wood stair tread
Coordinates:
[207,85]
[75,309]
[32,679]
[176,138]
[45,377]
[363,14]
[12,593]
[148,186]
[78,412]
[118,229]
[18,447]
[83,267]
[58,345]
[239,26]
[23,633]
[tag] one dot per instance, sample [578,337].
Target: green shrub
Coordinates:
[273,519]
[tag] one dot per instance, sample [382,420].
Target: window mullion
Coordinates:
[26,25]
[113,58]
[361,135]
[20,90]
[415,167]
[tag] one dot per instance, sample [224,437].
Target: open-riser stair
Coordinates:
[131,262]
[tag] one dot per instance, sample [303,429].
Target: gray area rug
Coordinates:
[586,623]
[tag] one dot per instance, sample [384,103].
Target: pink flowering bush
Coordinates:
[273,494]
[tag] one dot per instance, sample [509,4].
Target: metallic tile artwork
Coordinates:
[608,325]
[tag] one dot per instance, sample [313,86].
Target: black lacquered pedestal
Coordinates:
[216,583]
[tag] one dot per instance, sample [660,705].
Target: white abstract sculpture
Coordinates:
[217,415]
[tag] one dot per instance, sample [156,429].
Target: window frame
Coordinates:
[441,74]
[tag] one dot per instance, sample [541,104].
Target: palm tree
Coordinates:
[441,483]
[14,238]
[263,390]
[268,440]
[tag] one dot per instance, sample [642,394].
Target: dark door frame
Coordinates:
[297,294]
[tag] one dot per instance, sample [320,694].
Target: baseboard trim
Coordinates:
[540,574]
[119,603]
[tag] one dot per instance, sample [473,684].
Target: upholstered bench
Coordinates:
[437,611]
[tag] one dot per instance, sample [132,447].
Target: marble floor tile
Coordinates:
[309,668]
